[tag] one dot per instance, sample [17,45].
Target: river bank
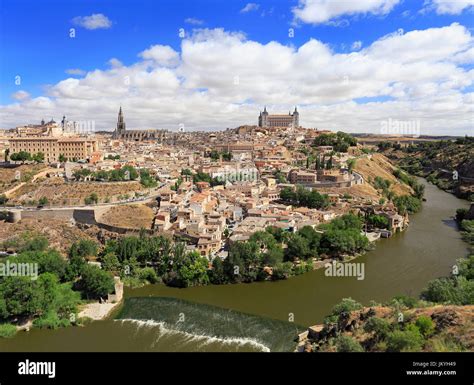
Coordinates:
[402,264]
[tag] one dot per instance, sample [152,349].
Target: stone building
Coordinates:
[136,135]
[292,120]
[53,147]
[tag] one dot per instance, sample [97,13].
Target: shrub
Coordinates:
[379,326]
[348,344]
[409,340]
[7,330]
[148,274]
[51,320]
[425,325]
[405,300]
[346,306]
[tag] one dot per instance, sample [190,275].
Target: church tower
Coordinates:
[263,118]
[120,123]
[296,118]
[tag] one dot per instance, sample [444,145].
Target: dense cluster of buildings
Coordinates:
[244,171]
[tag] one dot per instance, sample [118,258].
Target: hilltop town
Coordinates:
[208,188]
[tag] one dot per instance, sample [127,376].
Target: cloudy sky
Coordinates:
[209,64]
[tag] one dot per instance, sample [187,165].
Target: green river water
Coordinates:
[255,317]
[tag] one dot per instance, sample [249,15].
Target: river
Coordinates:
[248,317]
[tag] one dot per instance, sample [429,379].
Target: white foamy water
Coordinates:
[201,339]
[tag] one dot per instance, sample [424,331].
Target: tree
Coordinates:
[329,163]
[7,153]
[378,221]
[297,248]
[96,283]
[287,194]
[273,256]
[351,164]
[146,179]
[453,290]
[21,156]
[62,158]
[313,238]
[217,275]
[406,203]
[84,248]
[192,270]
[21,296]
[38,157]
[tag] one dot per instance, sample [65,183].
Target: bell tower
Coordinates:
[120,123]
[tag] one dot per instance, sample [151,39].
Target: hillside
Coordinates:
[59,192]
[436,161]
[394,328]
[377,165]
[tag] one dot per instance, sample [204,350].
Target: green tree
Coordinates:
[38,157]
[84,248]
[96,283]
[297,248]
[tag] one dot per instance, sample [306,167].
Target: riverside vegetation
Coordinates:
[440,320]
[50,299]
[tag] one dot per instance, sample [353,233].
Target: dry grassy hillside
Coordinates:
[59,192]
[27,171]
[378,165]
[131,216]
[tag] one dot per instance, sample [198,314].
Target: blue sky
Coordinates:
[35,44]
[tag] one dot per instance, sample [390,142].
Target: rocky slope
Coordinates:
[381,328]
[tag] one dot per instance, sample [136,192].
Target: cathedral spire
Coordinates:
[120,122]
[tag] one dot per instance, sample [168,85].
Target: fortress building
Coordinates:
[50,139]
[136,135]
[292,120]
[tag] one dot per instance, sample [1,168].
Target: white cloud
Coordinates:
[450,7]
[250,7]
[162,55]
[220,79]
[20,95]
[94,21]
[322,11]
[194,21]
[115,63]
[75,71]
[357,45]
